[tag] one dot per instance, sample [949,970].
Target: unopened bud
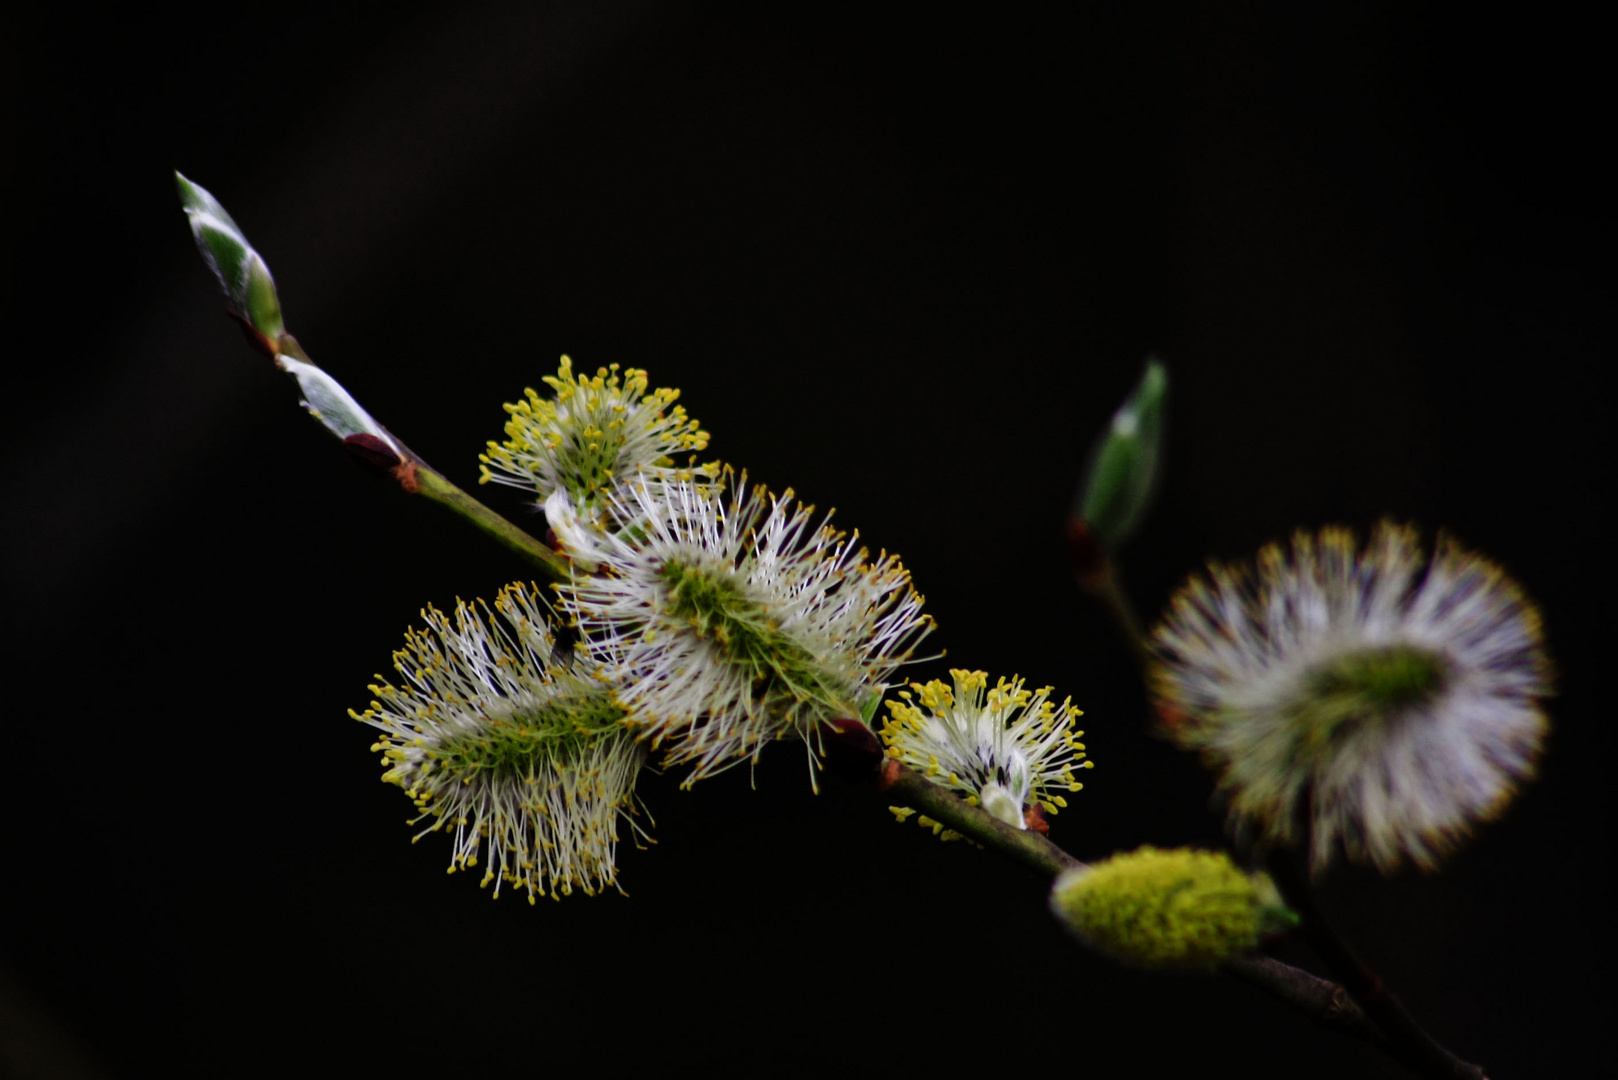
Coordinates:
[1002,804]
[1124,463]
[1169,909]
[372,452]
[240,270]
[335,407]
[578,538]
[263,305]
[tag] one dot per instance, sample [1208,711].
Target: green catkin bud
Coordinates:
[246,281]
[1122,476]
[1168,909]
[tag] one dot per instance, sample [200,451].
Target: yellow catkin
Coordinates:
[1165,909]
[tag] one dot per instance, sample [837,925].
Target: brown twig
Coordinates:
[1322,1001]
[1407,1039]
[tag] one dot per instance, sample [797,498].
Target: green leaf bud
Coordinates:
[263,305]
[1169,909]
[331,404]
[1124,463]
[241,271]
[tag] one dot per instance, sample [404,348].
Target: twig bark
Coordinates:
[1407,1039]
[1322,1001]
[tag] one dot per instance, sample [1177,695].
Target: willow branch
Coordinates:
[385,453]
[1407,1039]
[909,788]
[432,484]
[1322,1001]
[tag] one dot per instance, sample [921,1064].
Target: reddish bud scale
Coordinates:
[372,452]
[254,337]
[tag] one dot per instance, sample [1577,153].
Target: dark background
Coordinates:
[907,265]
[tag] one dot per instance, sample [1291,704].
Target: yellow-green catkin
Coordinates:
[1168,909]
[592,432]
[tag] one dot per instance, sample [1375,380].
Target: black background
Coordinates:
[907,265]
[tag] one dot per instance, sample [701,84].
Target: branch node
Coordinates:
[254,337]
[405,473]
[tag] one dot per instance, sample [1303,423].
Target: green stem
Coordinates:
[419,478]
[434,486]
[910,788]
[285,345]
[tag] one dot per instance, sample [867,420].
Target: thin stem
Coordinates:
[1324,1002]
[1321,1000]
[1407,1039]
[434,486]
[910,788]
[416,477]
[1096,571]
[1106,587]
